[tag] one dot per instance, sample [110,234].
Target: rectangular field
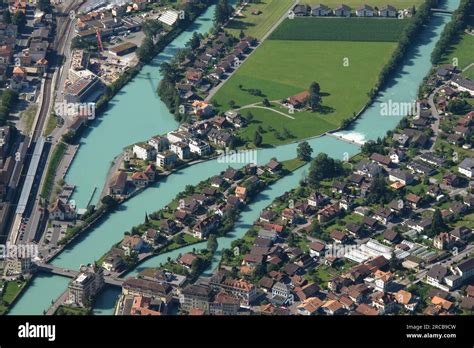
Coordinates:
[340,29]
[346,72]
[258,25]
[398,4]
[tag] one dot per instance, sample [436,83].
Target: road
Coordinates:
[257,106]
[468,67]
[435,114]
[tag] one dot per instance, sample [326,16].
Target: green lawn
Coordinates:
[294,66]
[10,292]
[68,310]
[293,164]
[469,74]
[398,4]
[462,52]
[28,116]
[466,221]
[340,29]
[51,124]
[258,25]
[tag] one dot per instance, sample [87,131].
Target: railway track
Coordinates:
[63,23]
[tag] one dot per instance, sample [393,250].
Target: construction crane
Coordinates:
[99,40]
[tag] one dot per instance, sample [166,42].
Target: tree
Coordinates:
[189,190]
[260,270]
[19,19]
[379,192]
[68,137]
[179,239]
[194,41]
[266,103]
[291,240]
[323,167]
[223,11]
[44,5]
[212,243]
[286,133]
[315,88]
[393,263]
[458,106]
[231,104]
[7,17]
[151,28]
[257,139]
[316,229]
[197,265]
[314,99]
[145,51]
[109,202]
[147,220]
[249,117]
[241,34]
[438,225]
[304,151]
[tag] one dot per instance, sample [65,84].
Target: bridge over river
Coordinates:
[49,268]
[441,10]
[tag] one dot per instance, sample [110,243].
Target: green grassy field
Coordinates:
[398,4]
[340,29]
[284,68]
[462,51]
[469,73]
[10,292]
[258,25]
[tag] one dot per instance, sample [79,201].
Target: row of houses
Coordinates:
[343,10]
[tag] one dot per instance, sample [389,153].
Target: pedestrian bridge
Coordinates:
[51,269]
[441,10]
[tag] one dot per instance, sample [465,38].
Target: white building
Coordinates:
[463,84]
[166,159]
[160,144]
[320,10]
[466,167]
[181,149]
[199,147]
[144,151]
[388,11]
[169,17]
[174,137]
[365,11]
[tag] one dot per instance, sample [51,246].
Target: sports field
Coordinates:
[258,25]
[346,72]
